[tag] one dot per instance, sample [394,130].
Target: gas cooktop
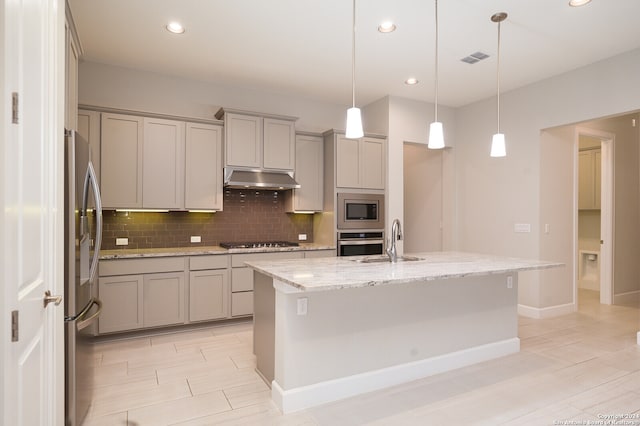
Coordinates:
[259,244]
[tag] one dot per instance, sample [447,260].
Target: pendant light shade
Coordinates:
[354,124]
[498,148]
[436,136]
[354,117]
[436,131]
[498,145]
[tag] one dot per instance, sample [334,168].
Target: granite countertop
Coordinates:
[346,272]
[202,250]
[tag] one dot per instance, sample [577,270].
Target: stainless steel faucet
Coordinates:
[396,234]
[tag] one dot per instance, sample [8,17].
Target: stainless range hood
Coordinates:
[242,178]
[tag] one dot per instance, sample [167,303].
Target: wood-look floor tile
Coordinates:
[249,394]
[115,419]
[128,399]
[179,410]
[215,381]
[572,367]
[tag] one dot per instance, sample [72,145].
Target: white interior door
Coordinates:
[31,200]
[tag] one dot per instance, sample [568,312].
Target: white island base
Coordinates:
[356,340]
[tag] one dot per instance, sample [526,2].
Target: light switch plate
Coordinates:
[302,237]
[196,239]
[522,227]
[122,241]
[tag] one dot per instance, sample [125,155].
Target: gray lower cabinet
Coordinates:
[208,287]
[121,298]
[139,293]
[242,279]
[163,299]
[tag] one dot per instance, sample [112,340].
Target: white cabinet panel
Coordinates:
[589,179]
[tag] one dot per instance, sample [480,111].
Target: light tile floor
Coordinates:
[575,368]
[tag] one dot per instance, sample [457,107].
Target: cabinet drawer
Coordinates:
[237,260]
[242,303]
[199,263]
[241,279]
[141,266]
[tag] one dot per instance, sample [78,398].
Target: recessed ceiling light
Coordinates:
[576,3]
[387,27]
[175,27]
[411,81]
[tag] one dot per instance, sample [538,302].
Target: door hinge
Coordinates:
[14,326]
[15,107]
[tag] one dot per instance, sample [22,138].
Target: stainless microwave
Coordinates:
[360,211]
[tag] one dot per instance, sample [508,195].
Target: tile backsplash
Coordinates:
[248,215]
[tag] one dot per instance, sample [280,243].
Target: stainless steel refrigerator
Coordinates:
[83,236]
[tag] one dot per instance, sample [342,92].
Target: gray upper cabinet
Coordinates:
[361,163]
[309,173]
[279,144]
[203,167]
[258,141]
[121,161]
[163,164]
[89,129]
[158,163]
[243,139]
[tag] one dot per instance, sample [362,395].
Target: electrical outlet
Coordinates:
[302,306]
[122,241]
[196,239]
[302,237]
[522,227]
[509,281]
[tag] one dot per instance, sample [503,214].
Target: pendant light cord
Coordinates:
[436,91]
[498,77]
[353,58]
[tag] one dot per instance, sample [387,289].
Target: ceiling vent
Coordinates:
[474,57]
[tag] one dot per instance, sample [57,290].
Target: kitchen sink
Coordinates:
[384,258]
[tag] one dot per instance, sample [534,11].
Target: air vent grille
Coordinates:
[474,57]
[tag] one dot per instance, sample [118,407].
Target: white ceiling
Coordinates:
[303,47]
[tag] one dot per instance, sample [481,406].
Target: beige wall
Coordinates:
[124,88]
[493,194]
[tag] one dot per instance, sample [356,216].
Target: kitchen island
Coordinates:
[327,329]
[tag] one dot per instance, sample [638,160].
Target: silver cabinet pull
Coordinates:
[48,298]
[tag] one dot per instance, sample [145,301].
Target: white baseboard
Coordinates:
[332,390]
[630,298]
[548,312]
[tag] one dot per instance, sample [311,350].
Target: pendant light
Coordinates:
[436,133]
[498,148]
[354,117]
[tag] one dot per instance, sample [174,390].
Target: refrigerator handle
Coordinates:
[84,322]
[91,179]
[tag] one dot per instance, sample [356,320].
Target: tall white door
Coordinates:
[31,200]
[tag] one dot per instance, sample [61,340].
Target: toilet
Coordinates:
[589,270]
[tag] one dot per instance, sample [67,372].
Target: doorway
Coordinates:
[595,214]
[423,192]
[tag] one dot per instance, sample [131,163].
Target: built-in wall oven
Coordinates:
[360,243]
